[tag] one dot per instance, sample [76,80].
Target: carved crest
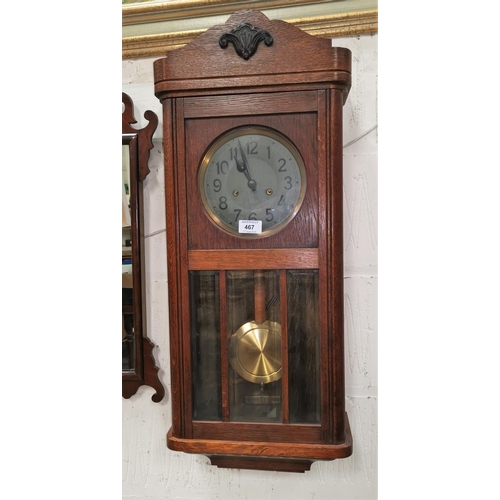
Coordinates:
[145,134]
[246,39]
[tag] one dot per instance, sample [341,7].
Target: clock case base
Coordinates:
[286,457]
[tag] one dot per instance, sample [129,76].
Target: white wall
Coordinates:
[150,469]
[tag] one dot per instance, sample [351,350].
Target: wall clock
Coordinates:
[252,126]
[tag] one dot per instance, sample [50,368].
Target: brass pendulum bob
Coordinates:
[255,348]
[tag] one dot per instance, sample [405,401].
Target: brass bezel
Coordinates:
[239,132]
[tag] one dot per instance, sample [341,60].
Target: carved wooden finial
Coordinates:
[145,135]
[246,38]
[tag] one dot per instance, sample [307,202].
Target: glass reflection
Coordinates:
[205,345]
[303,346]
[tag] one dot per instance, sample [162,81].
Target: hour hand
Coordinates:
[242,168]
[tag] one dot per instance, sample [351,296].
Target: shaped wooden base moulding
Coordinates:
[287,457]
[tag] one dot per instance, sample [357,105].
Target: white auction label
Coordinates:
[250,226]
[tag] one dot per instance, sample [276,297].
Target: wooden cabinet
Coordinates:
[252,132]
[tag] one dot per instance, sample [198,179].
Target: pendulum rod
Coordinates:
[260,296]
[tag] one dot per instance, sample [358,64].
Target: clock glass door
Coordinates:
[253,349]
[255,346]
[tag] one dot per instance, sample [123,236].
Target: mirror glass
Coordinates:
[128,334]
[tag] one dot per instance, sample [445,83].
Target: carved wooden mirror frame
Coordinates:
[142,370]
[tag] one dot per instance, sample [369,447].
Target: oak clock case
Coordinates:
[138,366]
[253,177]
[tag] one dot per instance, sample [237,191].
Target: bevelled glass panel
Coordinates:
[205,345]
[303,346]
[254,346]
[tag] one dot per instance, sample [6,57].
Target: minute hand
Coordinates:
[243,167]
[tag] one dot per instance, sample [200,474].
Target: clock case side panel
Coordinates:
[335,263]
[176,266]
[331,256]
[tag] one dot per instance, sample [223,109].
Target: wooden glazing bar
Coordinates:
[224,363]
[279,258]
[284,347]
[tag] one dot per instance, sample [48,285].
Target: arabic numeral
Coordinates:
[223,203]
[252,148]
[222,167]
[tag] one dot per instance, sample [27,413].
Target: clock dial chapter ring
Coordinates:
[255,352]
[252,173]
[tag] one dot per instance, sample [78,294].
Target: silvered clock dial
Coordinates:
[252,181]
